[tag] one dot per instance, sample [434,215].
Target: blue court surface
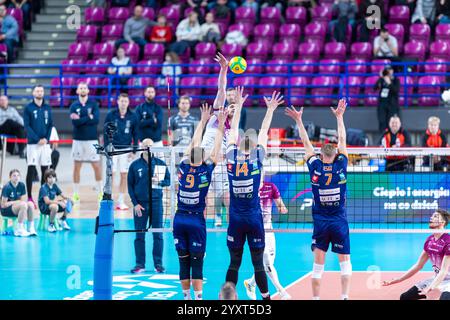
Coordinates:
[60,266]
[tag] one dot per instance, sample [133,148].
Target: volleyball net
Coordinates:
[388,189]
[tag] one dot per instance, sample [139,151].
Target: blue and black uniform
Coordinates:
[38,122]
[150,119]
[12,194]
[50,192]
[127,129]
[329,186]
[85,128]
[138,189]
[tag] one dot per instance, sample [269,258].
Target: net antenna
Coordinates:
[168,109]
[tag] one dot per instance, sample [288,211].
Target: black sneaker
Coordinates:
[137,269]
[160,269]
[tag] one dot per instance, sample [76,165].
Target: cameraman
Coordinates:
[388,85]
[385,45]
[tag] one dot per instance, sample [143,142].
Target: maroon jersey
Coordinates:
[267,193]
[437,250]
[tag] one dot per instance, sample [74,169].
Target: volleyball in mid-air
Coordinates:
[238,65]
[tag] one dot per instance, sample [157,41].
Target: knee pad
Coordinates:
[185,265]
[346,268]
[258,259]
[445,295]
[317,271]
[197,265]
[236,258]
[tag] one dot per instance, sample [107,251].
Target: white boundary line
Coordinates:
[295,282]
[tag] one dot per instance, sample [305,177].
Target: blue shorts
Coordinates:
[45,209]
[250,227]
[8,212]
[189,232]
[335,232]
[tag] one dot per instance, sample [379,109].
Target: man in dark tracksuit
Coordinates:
[388,87]
[138,189]
[150,117]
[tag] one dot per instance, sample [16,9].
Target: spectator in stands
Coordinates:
[134,29]
[197,6]
[385,45]
[222,7]
[98,3]
[182,125]
[346,14]
[274,3]
[410,3]
[150,118]
[443,11]
[388,86]
[122,68]
[9,34]
[11,123]
[161,32]
[188,34]
[25,6]
[210,30]
[435,138]
[252,4]
[228,291]
[368,20]
[396,137]
[170,71]
[52,201]
[14,204]
[120,3]
[425,12]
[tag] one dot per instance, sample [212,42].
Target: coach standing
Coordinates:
[138,189]
[38,123]
[84,113]
[150,117]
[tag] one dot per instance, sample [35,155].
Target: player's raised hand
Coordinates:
[222,115]
[220,58]
[340,110]
[240,98]
[206,113]
[294,114]
[274,101]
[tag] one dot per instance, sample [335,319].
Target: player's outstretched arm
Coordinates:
[412,271]
[297,117]
[222,117]
[342,134]
[222,83]
[272,104]
[234,130]
[281,206]
[197,137]
[443,272]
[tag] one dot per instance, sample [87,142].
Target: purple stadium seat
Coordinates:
[94,67]
[415,50]
[296,15]
[154,51]
[55,91]
[335,50]
[277,66]
[436,67]
[92,83]
[148,66]
[94,15]
[420,33]
[398,31]
[283,50]
[245,15]
[131,50]
[322,90]
[205,50]
[265,33]
[329,66]
[377,65]
[258,50]
[78,51]
[354,84]
[200,66]
[254,65]
[230,50]
[429,91]
[443,32]
[372,33]
[104,83]
[118,15]
[309,50]
[222,28]
[136,89]
[361,50]
[149,13]
[189,10]
[406,89]
[211,89]
[305,65]
[315,30]
[248,83]
[290,33]
[112,32]
[399,14]
[371,98]
[321,14]
[186,88]
[87,33]
[298,89]
[103,50]
[71,66]
[268,85]
[440,49]
[270,15]
[172,14]
[357,66]
[245,28]
[3,53]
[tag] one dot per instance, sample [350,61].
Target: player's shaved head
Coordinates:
[147,143]
[228,291]
[197,156]
[328,151]
[248,142]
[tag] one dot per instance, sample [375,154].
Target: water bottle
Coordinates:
[69,206]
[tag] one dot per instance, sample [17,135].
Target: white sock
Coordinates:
[76,188]
[252,281]
[99,186]
[31,224]
[20,226]
[316,298]
[187,294]
[273,276]
[198,295]
[344,297]
[121,198]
